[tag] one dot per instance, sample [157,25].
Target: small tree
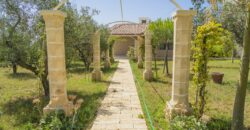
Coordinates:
[162,33]
[105,33]
[208,37]
[79,28]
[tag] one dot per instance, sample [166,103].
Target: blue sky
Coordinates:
[133,9]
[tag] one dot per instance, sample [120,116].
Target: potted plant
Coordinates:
[217,77]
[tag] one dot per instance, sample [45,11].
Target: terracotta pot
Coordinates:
[217,77]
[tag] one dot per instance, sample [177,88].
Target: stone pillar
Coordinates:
[107,59]
[54,23]
[183,25]
[148,74]
[136,48]
[112,58]
[97,73]
[139,58]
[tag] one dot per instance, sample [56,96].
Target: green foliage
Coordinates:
[131,53]
[219,124]
[111,41]
[79,27]
[56,121]
[80,120]
[104,38]
[22,112]
[28,126]
[211,39]
[233,18]
[162,31]
[23,39]
[186,123]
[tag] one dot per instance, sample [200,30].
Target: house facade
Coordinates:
[129,33]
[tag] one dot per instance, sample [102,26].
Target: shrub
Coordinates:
[209,41]
[186,123]
[219,124]
[28,126]
[1,113]
[55,121]
[131,53]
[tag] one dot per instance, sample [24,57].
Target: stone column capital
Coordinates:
[53,14]
[97,32]
[148,34]
[184,13]
[95,36]
[139,38]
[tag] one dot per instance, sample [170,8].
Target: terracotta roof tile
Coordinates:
[128,29]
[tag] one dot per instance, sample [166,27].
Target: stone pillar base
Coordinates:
[148,75]
[173,109]
[96,75]
[107,64]
[68,108]
[140,65]
[112,59]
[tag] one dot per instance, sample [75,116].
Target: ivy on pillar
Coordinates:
[139,50]
[112,58]
[97,73]
[148,74]
[54,24]
[183,25]
[136,49]
[107,63]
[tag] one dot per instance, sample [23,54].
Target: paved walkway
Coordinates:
[121,107]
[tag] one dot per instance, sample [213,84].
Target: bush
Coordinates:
[28,126]
[78,121]
[131,53]
[186,123]
[1,113]
[56,121]
[219,124]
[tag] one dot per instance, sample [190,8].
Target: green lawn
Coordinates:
[18,91]
[220,97]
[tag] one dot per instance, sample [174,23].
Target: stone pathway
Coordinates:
[120,109]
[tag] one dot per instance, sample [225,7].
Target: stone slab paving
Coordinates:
[121,107]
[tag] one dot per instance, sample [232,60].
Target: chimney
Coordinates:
[144,20]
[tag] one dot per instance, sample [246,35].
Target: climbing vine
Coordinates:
[208,37]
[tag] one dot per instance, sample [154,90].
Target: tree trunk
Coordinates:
[166,61]
[239,103]
[14,68]
[232,58]
[45,83]
[155,60]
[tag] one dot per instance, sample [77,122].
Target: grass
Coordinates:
[18,91]
[220,97]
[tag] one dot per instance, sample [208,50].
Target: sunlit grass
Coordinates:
[220,97]
[18,91]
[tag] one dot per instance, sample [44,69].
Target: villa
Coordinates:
[129,33]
